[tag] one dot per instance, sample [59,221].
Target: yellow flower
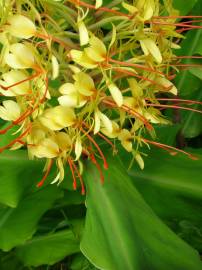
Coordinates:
[58,117]
[10,110]
[21,56]
[116,94]
[14,77]
[21,27]
[149,47]
[125,137]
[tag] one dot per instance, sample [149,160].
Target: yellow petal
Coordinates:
[46,149]
[153,49]
[84,84]
[96,122]
[12,77]
[166,83]
[58,118]
[78,148]
[98,3]
[116,94]
[83,33]
[106,122]
[55,67]
[139,160]
[135,88]
[10,110]
[97,50]
[63,140]
[82,59]
[131,9]
[21,27]
[21,56]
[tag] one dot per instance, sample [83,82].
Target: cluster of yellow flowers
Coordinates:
[72,71]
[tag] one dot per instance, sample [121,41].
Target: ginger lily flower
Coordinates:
[10,110]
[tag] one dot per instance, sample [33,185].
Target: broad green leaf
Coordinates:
[121,230]
[79,262]
[171,185]
[48,249]
[19,224]
[17,173]
[184,7]
[192,121]
[190,46]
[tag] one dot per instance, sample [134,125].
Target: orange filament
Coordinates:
[46,174]
[102,136]
[190,102]
[131,111]
[80,178]
[94,161]
[170,149]
[80,3]
[133,74]
[17,139]
[72,171]
[173,107]
[22,81]
[134,65]
[178,24]
[97,147]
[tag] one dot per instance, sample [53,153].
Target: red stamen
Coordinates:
[73,175]
[133,74]
[173,107]
[80,3]
[170,148]
[187,57]
[178,24]
[22,81]
[132,111]
[94,161]
[16,140]
[46,174]
[97,147]
[134,65]
[176,17]
[177,100]
[80,178]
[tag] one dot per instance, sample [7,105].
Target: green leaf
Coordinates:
[192,121]
[183,7]
[19,224]
[17,174]
[122,232]
[172,187]
[190,46]
[48,249]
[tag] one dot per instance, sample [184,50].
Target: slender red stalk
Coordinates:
[131,111]
[128,64]
[72,171]
[188,57]
[177,100]
[105,9]
[93,159]
[170,148]
[22,81]
[46,174]
[80,178]
[178,24]
[98,148]
[133,74]
[177,17]
[17,139]
[173,107]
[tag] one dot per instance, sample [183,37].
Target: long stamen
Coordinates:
[177,100]
[16,140]
[73,175]
[80,3]
[80,178]
[98,148]
[22,81]
[46,174]
[133,74]
[170,148]
[173,107]
[93,159]
[134,65]
[131,111]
